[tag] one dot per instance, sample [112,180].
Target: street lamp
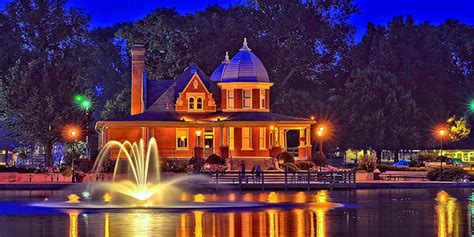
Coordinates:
[442,132]
[320,133]
[74,134]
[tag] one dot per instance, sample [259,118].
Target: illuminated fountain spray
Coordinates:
[139,163]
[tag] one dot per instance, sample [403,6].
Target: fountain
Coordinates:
[136,183]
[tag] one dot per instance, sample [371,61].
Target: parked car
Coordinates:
[402,163]
[448,162]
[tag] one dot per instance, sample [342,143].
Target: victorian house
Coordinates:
[195,115]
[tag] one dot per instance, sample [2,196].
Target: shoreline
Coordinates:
[268,187]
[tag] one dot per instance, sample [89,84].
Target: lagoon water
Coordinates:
[389,212]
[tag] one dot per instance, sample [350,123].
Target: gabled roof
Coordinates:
[167,91]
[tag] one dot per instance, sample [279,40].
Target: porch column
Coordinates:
[302,147]
[223,148]
[309,147]
[276,148]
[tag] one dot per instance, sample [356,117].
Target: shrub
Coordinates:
[425,156]
[305,165]
[448,174]
[415,163]
[285,157]
[368,163]
[172,165]
[291,167]
[319,159]
[214,159]
[85,165]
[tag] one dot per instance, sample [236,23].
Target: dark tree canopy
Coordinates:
[51,60]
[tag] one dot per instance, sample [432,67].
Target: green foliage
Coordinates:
[174,165]
[367,163]
[285,157]
[459,128]
[291,167]
[319,159]
[448,174]
[117,107]
[74,151]
[374,99]
[50,63]
[305,165]
[214,159]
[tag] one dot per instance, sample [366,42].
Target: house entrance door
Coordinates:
[208,142]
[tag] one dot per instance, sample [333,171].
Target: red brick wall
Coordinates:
[224,99]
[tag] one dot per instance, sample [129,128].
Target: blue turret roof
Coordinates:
[245,66]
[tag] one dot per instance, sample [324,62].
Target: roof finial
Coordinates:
[226,56]
[245,47]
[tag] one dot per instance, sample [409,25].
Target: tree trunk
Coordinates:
[397,156]
[49,162]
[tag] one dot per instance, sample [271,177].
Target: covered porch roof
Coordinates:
[206,119]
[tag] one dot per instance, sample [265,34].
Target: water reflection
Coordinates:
[311,220]
[447,211]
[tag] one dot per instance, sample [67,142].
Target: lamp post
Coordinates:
[85,104]
[320,133]
[74,133]
[441,134]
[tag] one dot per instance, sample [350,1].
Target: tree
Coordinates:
[380,113]
[117,107]
[458,128]
[51,61]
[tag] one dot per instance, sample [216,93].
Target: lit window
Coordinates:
[199,103]
[247,99]
[230,99]
[191,103]
[246,138]
[181,138]
[230,138]
[263,138]
[262,99]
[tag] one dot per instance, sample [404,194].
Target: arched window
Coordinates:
[199,103]
[191,103]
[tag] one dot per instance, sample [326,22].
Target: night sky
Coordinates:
[108,12]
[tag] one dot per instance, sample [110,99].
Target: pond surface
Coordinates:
[390,212]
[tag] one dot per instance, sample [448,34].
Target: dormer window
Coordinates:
[199,103]
[247,99]
[230,99]
[191,103]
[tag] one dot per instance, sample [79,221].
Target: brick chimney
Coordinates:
[138,64]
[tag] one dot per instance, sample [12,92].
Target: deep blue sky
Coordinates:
[108,12]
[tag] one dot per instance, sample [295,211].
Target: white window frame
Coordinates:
[263,101]
[230,137]
[186,137]
[246,98]
[263,138]
[230,99]
[197,103]
[193,103]
[247,140]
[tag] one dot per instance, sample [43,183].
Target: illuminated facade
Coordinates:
[195,115]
